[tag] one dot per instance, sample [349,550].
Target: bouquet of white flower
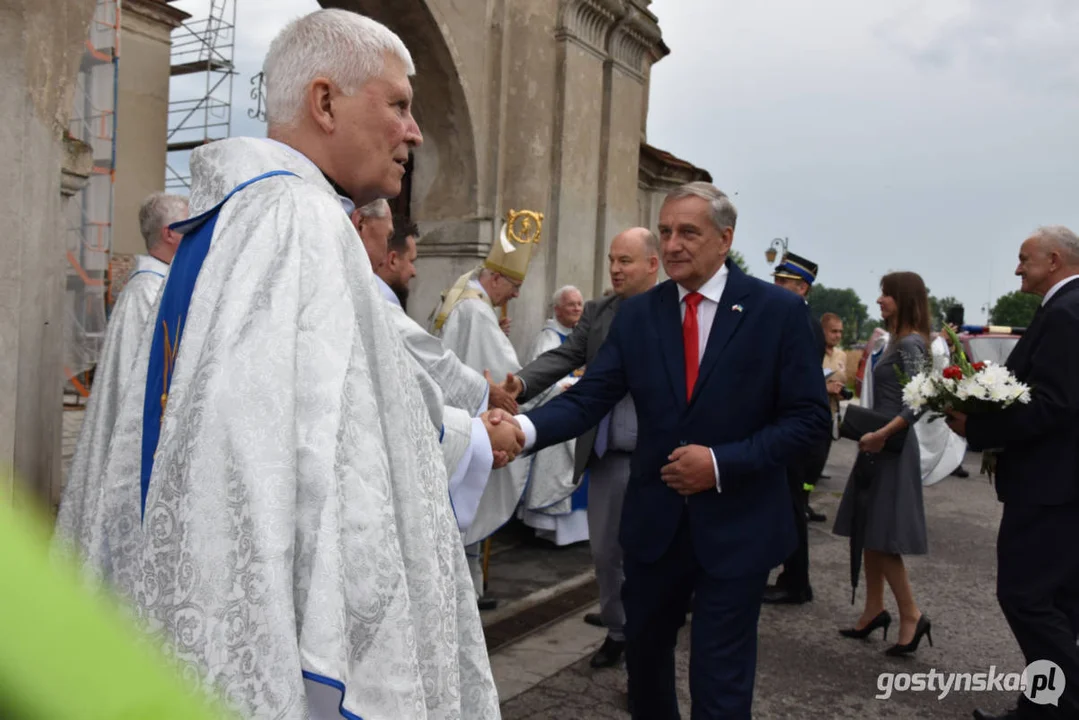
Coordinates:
[970,388]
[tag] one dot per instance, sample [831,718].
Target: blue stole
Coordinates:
[579,498]
[168,329]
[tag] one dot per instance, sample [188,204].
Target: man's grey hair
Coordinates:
[724,214]
[159,210]
[378,209]
[556,299]
[344,47]
[1058,237]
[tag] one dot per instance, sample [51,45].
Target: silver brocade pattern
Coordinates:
[298,516]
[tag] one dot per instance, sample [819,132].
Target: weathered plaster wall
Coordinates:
[141,117]
[41,42]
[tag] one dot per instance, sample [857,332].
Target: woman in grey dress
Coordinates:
[889,498]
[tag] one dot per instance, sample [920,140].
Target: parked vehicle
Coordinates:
[994,347]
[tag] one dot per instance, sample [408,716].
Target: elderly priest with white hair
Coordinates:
[83,514]
[564,521]
[300,555]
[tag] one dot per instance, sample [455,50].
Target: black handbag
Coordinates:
[857,421]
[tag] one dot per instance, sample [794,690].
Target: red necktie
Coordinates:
[691,341]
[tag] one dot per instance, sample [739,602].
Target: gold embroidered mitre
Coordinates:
[509,256]
[511,253]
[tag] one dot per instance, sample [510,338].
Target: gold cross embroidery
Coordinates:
[171,348]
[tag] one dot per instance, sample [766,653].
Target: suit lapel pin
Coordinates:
[737,308]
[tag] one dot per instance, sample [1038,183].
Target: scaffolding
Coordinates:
[200,91]
[89,216]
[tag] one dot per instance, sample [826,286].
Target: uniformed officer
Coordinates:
[797,274]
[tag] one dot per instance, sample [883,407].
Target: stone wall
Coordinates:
[524,104]
[41,42]
[141,115]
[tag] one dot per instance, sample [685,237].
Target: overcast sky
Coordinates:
[925,135]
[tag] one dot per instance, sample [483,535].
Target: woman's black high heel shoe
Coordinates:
[924,627]
[882,620]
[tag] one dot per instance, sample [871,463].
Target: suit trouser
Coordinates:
[816,464]
[795,575]
[607,480]
[1038,590]
[723,652]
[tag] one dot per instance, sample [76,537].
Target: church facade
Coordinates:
[529,104]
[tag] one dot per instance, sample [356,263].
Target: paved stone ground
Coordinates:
[805,668]
[521,564]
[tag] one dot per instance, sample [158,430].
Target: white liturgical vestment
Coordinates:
[472,332]
[84,506]
[555,519]
[300,553]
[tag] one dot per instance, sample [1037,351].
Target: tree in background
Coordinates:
[845,303]
[740,260]
[938,310]
[867,329]
[1015,309]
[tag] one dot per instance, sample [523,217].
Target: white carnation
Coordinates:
[918,391]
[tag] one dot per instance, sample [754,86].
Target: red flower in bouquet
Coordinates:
[953,372]
[970,388]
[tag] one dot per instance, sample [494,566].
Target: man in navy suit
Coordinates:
[725,377]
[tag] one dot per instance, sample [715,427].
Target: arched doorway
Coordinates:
[442,180]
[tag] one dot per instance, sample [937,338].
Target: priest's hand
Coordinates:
[507,438]
[505,323]
[513,385]
[690,470]
[499,397]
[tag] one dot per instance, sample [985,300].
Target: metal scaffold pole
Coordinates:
[200,93]
[90,218]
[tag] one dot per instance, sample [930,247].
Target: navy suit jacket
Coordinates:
[759,404]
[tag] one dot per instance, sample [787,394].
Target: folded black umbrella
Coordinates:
[857,421]
[861,477]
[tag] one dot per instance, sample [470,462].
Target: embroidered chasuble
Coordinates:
[298,552]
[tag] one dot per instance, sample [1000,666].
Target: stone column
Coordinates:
[41,42]
[631,49]
[142,119]
[577,145]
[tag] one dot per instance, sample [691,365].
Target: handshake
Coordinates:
[503,396]
[507,438]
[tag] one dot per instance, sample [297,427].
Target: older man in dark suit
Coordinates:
[726,381]
[1038,472]
[604,450]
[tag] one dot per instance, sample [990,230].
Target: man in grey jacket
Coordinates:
[605,450]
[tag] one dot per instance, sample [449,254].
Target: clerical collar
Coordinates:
[338,189]
[346,201]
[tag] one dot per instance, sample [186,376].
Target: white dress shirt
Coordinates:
[712,290]
[706,315]
[1056,288]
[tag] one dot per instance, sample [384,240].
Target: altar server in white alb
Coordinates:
[82,507]
[564,522]
[301,557]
